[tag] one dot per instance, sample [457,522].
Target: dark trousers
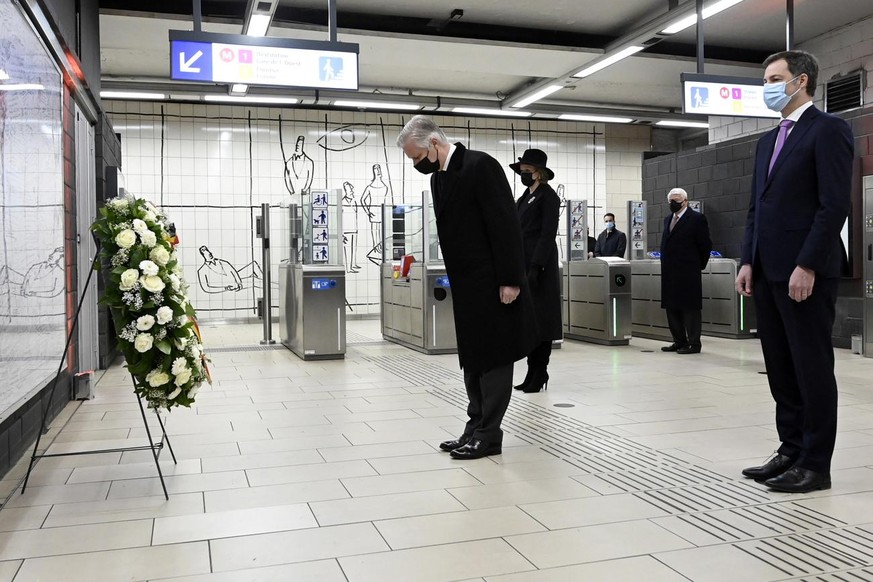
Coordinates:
[538,358]
[799,356]
[489,393]
[684,326]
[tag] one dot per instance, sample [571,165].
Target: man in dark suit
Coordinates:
[481,242]
[611,242]
[791,264]
[685,248]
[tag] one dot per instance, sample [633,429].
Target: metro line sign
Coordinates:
[230,58]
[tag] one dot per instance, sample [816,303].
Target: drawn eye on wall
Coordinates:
[343,138]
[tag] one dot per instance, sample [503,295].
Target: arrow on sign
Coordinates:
[576,245]
[185,65]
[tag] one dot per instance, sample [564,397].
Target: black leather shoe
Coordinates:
[455,444]
[476,449]
[689,350]
[799,480]
[526,382]
[777,465]
[674,347]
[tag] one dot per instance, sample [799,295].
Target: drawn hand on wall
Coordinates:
[350,228]
[299,169]
[44,279]
[219,276]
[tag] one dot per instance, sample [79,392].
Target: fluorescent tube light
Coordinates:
[612,59]
[544,92]
[708,11]
[251,99]
[594,118]
[22,87]
[259,24]
[495,112]
[132,95]
[239,89]
[667,123]
[377,105]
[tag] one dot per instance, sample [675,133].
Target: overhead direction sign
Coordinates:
[723,95]
[230,58]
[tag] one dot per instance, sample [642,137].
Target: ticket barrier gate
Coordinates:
[725,313]
[597,300]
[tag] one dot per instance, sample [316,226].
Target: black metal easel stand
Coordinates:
[154,447]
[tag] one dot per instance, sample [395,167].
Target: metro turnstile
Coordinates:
[726,313]
[597,300]
[417,312]
[312,317]
[867,348]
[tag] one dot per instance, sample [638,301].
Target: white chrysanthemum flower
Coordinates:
[183,377]
[129,279]
[172,395]
[179,365]
[149,238]
[145,322]
[181,342]
[139,226]
[143,342]
[175,283]
[125,239]
[153,283]
[160,256]
[118,203]
[148,268]
[150,216]
[165,315]
[157,378]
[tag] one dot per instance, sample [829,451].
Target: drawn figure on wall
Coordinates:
[561,224]
[375,195]
[350,228]
[44,279]
[218,275]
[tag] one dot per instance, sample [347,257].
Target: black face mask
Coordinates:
[675,206]
[426,166]
[527,179]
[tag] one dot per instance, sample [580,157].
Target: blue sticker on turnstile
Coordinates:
[654,254]
[442,282]
[323,284]
[714,254]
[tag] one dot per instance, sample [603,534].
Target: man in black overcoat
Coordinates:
[481,243]
[685,248]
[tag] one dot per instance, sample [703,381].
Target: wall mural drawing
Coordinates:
[350,228]
[217,275]
[343,138]
[375,194]
[43,279]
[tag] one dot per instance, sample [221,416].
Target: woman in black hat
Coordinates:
[538,210]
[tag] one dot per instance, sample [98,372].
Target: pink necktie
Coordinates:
[784,126]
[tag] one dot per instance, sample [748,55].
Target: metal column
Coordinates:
[263,232]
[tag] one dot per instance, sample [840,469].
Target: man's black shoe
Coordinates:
[455,444]
[673,347]
[799,480]
[689,350]
[476,449]
[777,465]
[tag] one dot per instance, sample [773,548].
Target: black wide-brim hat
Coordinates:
[536,158]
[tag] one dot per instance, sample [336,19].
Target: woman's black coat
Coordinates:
[538,214]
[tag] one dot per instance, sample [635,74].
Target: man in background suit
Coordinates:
[791,265]
[685,248]
[611,242]
[481,242]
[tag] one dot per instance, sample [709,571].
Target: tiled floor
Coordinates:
[329,471]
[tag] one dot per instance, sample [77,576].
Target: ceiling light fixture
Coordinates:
[603,62]
[251,99]
[239,89]
[377,105]
[668,123]
[258,24]
[708,11]
[536,96]
[22,87]
[594,118]
[146,96]
[492,112]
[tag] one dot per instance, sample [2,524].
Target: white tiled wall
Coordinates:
[211,167]
[844,50]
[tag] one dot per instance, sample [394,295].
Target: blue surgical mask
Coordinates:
[610,225]
[775,97]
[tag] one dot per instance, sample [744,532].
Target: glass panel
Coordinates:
[32,267]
